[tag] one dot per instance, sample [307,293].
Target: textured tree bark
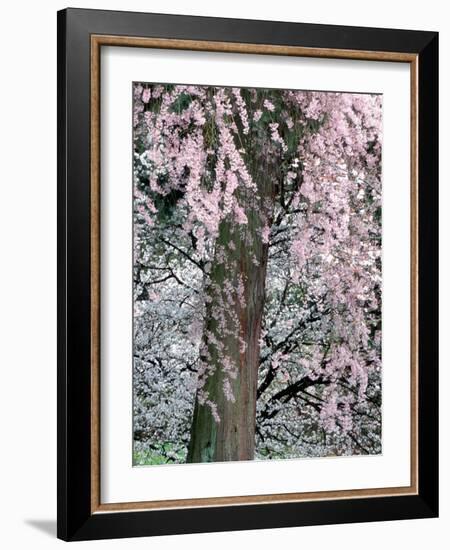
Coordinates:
[233,437]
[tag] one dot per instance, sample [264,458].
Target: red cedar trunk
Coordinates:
[233,438]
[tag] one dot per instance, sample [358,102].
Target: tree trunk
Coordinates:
[223,429]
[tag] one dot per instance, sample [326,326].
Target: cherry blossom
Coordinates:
[257,265]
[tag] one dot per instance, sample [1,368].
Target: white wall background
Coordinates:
[28,272]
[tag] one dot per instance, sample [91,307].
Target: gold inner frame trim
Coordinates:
[232,47]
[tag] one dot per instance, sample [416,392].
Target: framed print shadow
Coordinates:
[247,274]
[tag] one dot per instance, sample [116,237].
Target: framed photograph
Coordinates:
[247,252]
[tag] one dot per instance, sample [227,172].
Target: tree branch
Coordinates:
[199,264]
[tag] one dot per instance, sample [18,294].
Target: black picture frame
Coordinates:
[76,521]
